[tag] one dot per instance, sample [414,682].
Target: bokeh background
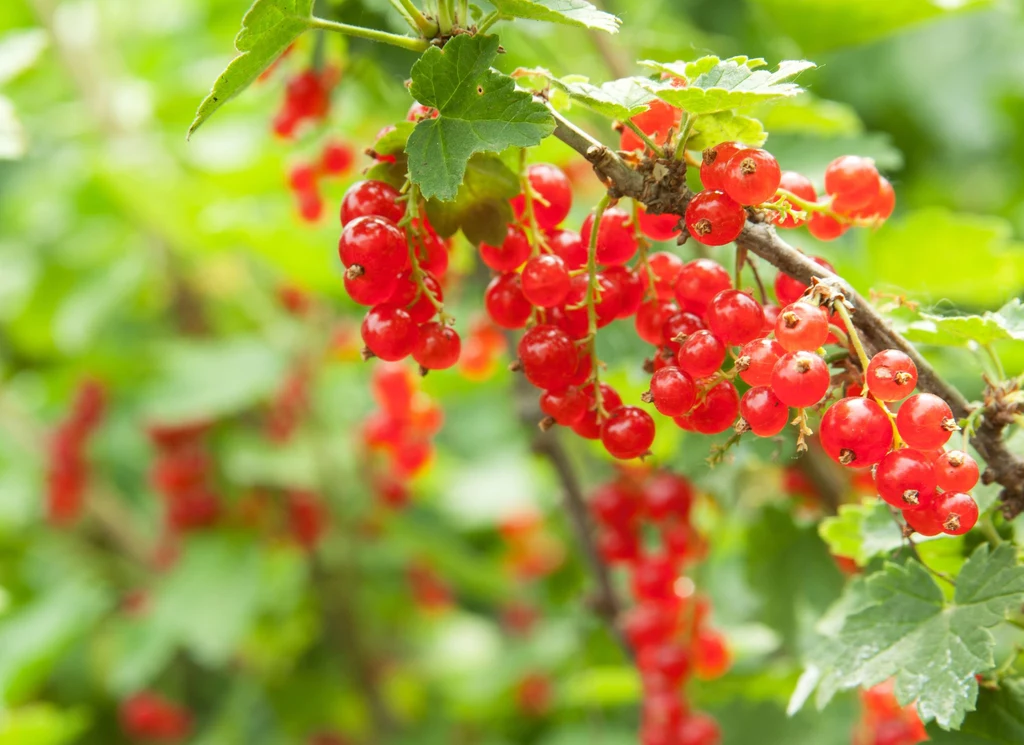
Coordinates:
[156,265]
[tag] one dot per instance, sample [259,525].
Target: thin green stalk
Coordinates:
[996,362]
[422,25]
[445,11]
[400,9]
[487,21]
[647,140]
[371,34]
[684,135]
[591,302]
[463,18]
[862,356]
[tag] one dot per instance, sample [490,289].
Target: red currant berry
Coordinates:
[367,289]
[389,332]
[881,207]
[763,411]
[698,282]
[549,357]
[667,495]
[802,327]
[702,354]
[651,318]
[955,470]
[418,112]
[957,512]
[856,432]
[627,432]
[375,245]
[714,163]
[366,198]
[618,546]
[852,181]
[408,295]
[679,326]
[568,244]
[588,426]
[615,505]
[616,240]
[302,177]
[714,218]
[648,624]
[711,657]
[672,391]
[665,268]
[800,379]
[757,361]
[629,288]
[506,305]
[925,522]
[906,479]
[665,665]
[438,346]
[715,413]
[752,176]
[432,253]
[310,205]
[789,290]
[336,158]
[552,197]
[654,578]
[825,228]
[659,227]
[891,375]
[656,122]
[566,407]
[698,729]
[802,187]
[545,281]
[925,421]
[510,254]
[735,317]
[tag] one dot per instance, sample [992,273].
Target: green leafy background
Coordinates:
[105,210]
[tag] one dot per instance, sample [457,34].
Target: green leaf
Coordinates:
[1005,324]
[970,259]
[481,209]
[599,687]
[998,720]
[898,623]
[33,638]
[480,111]
[617,99]
[809,115]
[818,26]
[268,28]
[13,142]
[19,50]
[710,129]
[861,531]
[41,724]
[721,86]
[209,600]
[211,379]
[569,12]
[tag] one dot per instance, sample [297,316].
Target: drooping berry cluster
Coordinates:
[67,466]
[307,100]
[884,722]
[304,178]
[400,431]
[181,474]
[150,717]
[289,404]
[399,272]
[668,627]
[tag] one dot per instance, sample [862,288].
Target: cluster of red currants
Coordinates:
[307,100]
[737,177]
[398,271]
[884,722]
[308,517]
[150,717]
[289,405]
[668,627]
[304,178]
[181,474]
[400,430]
[67,468]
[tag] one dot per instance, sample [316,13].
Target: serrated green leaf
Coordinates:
[689,70]
[861,531]
[722,126]
[1007,323]
[900,624]
[268,27]
[393,141]
[481,209]
[617,99]
[19,50]
[568,12]
[480,110]
[730,84]
[998,720]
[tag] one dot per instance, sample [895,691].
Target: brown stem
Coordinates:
[760,239]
